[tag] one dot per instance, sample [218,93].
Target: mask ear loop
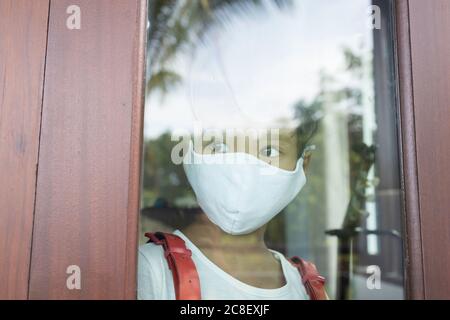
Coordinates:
[307,149]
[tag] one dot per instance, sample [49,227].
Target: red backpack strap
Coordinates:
[314,283]
[184,272]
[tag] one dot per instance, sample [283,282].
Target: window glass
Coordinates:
[271,132]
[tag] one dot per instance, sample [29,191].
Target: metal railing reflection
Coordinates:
[345,254]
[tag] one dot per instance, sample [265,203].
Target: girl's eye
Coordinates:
[270,152]
[219,148]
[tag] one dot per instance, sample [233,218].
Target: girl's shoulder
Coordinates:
[151,255]
[154,275]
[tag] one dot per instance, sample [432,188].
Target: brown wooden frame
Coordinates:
[90,148]
[412,245]
[23,39]
[424,91]
[75,107]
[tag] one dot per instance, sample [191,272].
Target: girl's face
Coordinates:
[279,148]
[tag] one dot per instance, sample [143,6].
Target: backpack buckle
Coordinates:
[180,251]
[173,254]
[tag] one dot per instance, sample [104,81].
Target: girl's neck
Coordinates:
[206,235]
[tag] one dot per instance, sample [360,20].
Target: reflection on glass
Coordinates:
[305,87]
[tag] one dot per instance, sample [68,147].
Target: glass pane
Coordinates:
[271,132]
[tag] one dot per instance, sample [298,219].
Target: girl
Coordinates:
[239,189]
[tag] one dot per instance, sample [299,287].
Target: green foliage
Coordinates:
[161,177]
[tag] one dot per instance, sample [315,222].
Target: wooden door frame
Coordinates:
[23,39]
[412,239]
[424,94]
[55,198]
[88,178]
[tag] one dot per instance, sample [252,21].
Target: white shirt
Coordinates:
[155,280]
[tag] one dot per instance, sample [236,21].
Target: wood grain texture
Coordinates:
[412,222]
[86,212]
[136,149]
[430,47]
[23,37]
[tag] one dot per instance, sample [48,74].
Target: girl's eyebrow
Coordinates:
[287,137]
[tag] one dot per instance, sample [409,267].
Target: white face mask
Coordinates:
[238,192]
